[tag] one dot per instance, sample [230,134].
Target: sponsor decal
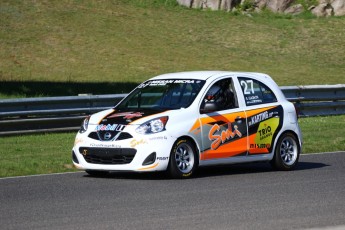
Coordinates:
[158,138]
[266,130]
[260,146]
[184,81]
[260,117]
[118,114]
[110,127]
[133,115]
[255,97]
[155,83]
[135,142]
[250,100]
[162,158]
[263,128]
[125,115]
[220,137]
[105,145]
[164,82]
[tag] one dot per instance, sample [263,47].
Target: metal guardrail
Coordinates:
[50,114]
[317,100]
[54,114]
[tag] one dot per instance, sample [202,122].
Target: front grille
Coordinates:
[94,135]
[107,135]
[112,136]
[108,156]
[124,136]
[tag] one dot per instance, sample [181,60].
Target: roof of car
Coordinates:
[204,75]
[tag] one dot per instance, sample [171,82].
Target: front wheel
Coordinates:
[183,159]
[286,153]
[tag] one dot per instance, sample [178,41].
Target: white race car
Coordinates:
[180,121]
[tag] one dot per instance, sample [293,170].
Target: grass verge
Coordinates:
[323,134]
[51,153]
[76,42]
[36,154]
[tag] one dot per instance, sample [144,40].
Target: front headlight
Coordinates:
[84,124]
[153,126]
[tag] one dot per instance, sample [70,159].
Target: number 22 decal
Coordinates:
[247,86]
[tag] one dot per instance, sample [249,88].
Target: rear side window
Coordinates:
[256,92]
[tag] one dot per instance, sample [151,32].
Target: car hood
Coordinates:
[113,116]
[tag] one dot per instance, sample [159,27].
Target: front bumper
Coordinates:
[143,153]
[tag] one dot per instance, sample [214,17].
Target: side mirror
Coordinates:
[208,107]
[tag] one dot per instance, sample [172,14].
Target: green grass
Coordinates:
[323,134]
[127,41]
[51,153]
[36,154]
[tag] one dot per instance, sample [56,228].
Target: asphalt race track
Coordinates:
[249,196]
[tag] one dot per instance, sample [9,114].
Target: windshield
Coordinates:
[162,95]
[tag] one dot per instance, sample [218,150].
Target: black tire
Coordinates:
[97,173]
[286,153]
[183,160]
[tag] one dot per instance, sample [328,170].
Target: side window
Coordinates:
[220,96]
[256,92]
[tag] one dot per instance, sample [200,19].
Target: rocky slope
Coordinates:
[322,8]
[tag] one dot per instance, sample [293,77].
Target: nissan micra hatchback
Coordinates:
[181,121]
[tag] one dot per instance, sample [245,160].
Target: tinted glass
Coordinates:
[256,92]
[162,94]
[220,96]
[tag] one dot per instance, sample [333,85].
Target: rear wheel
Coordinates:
[286,153]
[183,159]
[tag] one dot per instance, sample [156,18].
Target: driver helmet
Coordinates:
[214,94]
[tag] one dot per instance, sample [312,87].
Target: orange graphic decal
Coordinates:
[226,150]
[149,167]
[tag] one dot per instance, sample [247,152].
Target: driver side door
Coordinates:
[223,124]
